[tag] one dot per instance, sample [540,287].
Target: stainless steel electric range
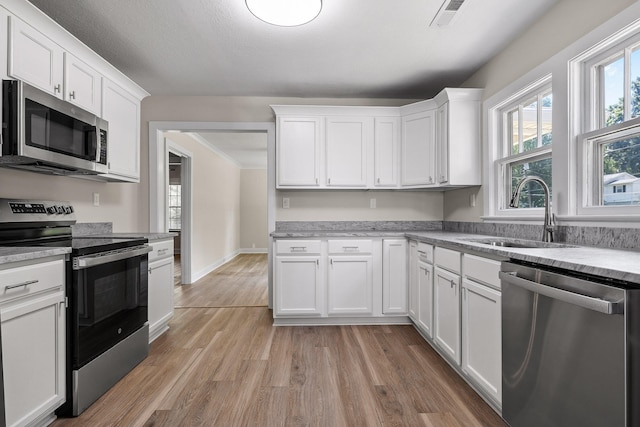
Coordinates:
[107,327]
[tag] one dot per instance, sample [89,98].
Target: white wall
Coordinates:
[565,23]
[253,209]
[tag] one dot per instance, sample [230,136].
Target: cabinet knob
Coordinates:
[72,94]
[430,179]
[378,180]
[56,88]
[453,283]
[441,177]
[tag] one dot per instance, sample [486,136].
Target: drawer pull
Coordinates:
[163,251]
[298,249]
[19,285]
[350,248]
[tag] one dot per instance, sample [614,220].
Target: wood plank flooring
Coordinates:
[229,366]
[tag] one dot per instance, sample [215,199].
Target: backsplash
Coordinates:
[89,228]
[285,226]
[602,237]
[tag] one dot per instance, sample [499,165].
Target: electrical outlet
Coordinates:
[472,200]
[96,199]
[372,203]
[285,203]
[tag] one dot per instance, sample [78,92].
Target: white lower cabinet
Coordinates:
[414,294]
[425,297]
[32,309]
[160,287]
[446,309]
[350,284]
[298,285]
[481,337]
[394,276]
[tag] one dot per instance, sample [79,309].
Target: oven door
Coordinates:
[108,301]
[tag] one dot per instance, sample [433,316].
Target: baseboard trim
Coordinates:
[341,321]
[253,251]
[213,266]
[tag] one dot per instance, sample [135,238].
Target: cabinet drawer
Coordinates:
[425,252]
[31,278]
[350,246]
[448,259]
[161,249]
[298,246]
[483,270]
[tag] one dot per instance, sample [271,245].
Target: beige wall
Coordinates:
[216,204]
[350,205]
[118,202]
[565,23]
[253,209]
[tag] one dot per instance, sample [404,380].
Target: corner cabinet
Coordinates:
[122,110]
[340,281]
[418,149]
[160,287]
[33,319]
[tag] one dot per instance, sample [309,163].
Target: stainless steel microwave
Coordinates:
[42,133]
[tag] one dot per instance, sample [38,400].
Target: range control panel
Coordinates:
[20,211]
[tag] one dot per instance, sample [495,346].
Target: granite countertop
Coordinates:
[614,264]
[14,254]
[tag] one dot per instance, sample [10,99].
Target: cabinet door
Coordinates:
[82,84]
[160,296]
[394,276]
[33,357]
[418,150]
[446,319]
[481,337]
[414,294]
[34,58]
[425,290]
[442,143]
[386,144]
[298,285]
[122,111]
[350,285]
[298,151]
[346,145]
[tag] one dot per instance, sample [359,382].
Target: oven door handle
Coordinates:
[584,301]
[87,261]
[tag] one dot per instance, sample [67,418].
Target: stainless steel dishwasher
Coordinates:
[570,349]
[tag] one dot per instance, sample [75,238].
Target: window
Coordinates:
[610,143]
[524,140]
[175,207]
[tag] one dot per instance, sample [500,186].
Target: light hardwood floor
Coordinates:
[229,366]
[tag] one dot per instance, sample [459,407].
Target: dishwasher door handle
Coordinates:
[584,301]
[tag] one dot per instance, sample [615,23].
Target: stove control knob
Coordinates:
[51,210]
[67,209]
[70,209]
[59,209]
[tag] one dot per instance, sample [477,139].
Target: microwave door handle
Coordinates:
[86,261]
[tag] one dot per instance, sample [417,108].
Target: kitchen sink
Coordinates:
[518,243]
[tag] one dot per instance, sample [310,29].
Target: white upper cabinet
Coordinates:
[41,62]
[82,84]
[35,58]
[347,143]
[458,137]
[122,111]
[386,147]
[418,149]
[298,151]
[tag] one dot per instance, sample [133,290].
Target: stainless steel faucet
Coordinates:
[547,234]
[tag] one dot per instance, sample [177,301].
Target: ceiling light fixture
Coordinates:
[285,13]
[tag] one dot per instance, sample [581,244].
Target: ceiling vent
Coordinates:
[446,13]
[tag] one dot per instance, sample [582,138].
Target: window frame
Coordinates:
[592,132]
[498,148]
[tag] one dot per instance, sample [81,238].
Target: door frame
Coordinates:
[186,180]
[158,173]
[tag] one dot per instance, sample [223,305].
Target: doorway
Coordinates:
[159,173]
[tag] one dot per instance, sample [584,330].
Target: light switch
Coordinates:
[372,203]
[96,199]
[285,203]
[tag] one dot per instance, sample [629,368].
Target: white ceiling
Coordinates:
[355,48]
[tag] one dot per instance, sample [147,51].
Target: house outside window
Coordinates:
[609,147]
[523,147]
[175,207]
